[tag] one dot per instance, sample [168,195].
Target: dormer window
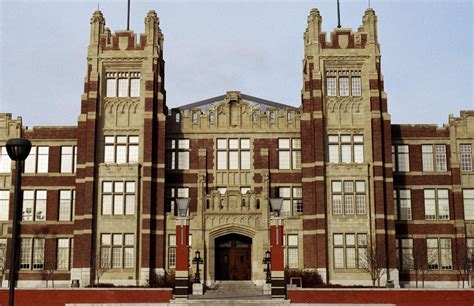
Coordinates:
[123,84]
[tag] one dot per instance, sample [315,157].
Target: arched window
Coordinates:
[254,117]
[178,118]
[211,117]
[195,117]
[272,117]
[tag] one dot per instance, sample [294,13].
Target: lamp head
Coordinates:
[18,148]
[268,255]
[276,204]
[198,254]
[183,205]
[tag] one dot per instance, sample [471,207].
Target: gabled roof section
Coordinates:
[234,96]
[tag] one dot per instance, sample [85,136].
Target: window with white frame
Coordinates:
[343,83]
[68,159]
[117,250]
[177,154]
[439,253]
[5,161]
[172,250]
[171,194]
[121,149]
[67,199]
[405,253]
[469,247]
[468,203]
[32,254]
[436,204]
[348,197]
[3,253]
[434,157]
[401,158]
[346,148]
[233,154]
[63,254]
[4,204]
[466,157]
[402,203]
[37,160]
[118,198]
[292,200]
[34,205]
[291,251]
[350,250]
[123,84]
[289,153]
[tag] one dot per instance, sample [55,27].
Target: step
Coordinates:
[230,302]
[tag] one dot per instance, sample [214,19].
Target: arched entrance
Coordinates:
[233,260]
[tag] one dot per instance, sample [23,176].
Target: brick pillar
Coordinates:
[182,259]
[277,259]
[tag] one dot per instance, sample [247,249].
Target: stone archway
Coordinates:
[233,257]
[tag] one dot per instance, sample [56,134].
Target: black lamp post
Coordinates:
[267,260]
[18,150]
[197,260]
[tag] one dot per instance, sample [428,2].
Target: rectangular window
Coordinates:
[5,161]
[170,197]
[441,161]
[66,204]
[338,242]
[123,87]
[68,159]
[468,202]
[336,198]
[63,252]
[406,253]
[346,148]
[121,149]
[348,197]
[38,254]
[346,154]
[356,86]
[358,148]
[233,154]
[3,253]
[111,87]
[25,253]
[124,83]
[177,154]
[117,251]
[118,198]
[436,204]
[331,86]
[434,160]
[37,160]
[403,204]
[401,158]
[4,204]
[350,250]
[292,200]
[134,87]
[343,86]
[439,253]
[466,157]
[292,251]
[34,205]
[333,148]
[171,251]
[427,153]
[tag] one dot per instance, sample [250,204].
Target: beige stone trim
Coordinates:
[311,165]
[263,152]
[420,173]
[84,180]
[83,232]
[382,232]
[313,217]
[314,232]
[86,165]
[318,114]
[419,140]
[426,222]
[154,180]
[154,232]
[421,187]
[317,92]
[91,115]
[84,217]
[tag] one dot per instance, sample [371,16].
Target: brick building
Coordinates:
[99,198]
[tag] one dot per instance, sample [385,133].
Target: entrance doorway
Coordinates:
[233,257]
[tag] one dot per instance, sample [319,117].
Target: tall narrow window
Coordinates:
[441,161]
[356,86]
[105,244]
[171,251]
[5,161]
[66,204]
[436,204]
[468,202]
[183,154]
[427,153]
[338,242]
[134,87]
[350,251]
[34,205]
[111,87]
[360,198]
[331,85]
[432,253]
[37,161]
[292,251]
[404,204]
[4,204]
[346,154]
[63,252]
[401,158]
[466,157]
[118,198]
[348,197]
[333,148]
[336,198]
[358,148]
[284,153]
[430,204]
[344,86]
[3,253]
[25,253]
[406,254]
[38,254]
[123,87]
[221,154]
[68,159]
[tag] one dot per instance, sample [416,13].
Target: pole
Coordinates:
[338,15]
[16,199]
[128,16]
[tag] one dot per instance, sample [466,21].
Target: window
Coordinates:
[118,198]
[172,250]
[37,160]
[289,153]
[233,154]
[128,84]
[439,254]
[68,159]
[434,160]
[401,158]
[466,157]
[349,83]
[117,251]
[3,253]
[292,200]
[350,250]
[469,244]
[347,197]
[346,148]
[402,203]
[171,194]
[4,204]
[177,154]
[121,149]
[468,202]
[405,253]
[66,204]
[291,254]
[436,204]
[34,205]
[32,254]
[63,254]
[5,161]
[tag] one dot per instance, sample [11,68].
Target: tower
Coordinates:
[347,171]
[120,170]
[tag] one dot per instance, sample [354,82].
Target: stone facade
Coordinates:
[330,159]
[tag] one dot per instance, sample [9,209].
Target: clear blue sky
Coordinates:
[252,46]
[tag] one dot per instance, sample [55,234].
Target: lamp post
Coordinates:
[197,260]
[266,260]
[278,284]
[18,150]
[182,253]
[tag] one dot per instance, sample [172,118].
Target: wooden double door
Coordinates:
[233,257]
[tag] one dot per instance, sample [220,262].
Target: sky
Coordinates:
[255,47]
